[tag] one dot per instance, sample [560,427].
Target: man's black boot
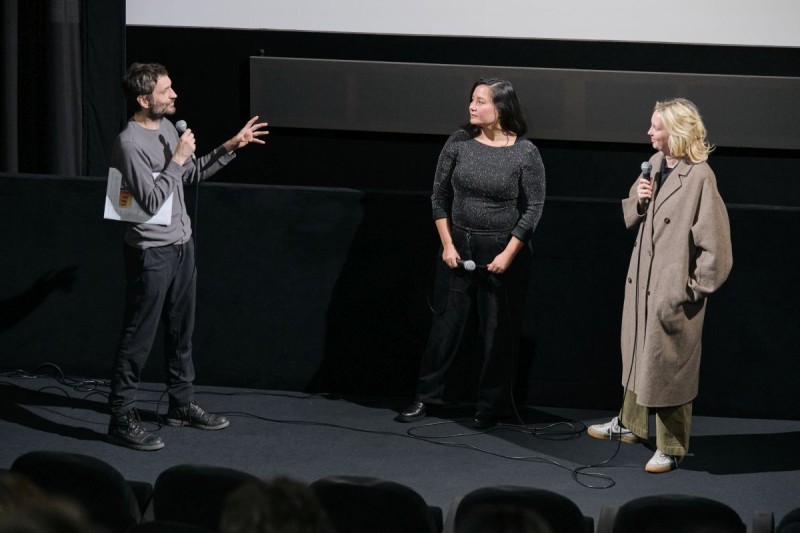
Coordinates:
[127,430]
[195,416]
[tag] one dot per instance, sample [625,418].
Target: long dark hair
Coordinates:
[505,100]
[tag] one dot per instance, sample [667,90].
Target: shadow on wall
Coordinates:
[378,318]
[15,309]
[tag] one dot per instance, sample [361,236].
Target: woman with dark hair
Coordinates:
[488,195]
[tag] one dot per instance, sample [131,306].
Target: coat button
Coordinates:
[666,221]
[648,293]
[630,280]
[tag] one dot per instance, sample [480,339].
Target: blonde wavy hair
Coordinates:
[687,133]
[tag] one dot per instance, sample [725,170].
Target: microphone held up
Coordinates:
[647,167]
[182,126]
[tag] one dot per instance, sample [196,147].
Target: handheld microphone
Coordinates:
[468,265]
[181,126]
[646,168]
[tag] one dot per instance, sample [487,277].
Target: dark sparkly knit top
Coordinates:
[486,188]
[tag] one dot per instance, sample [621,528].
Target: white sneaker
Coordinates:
[612,431]
[662,462]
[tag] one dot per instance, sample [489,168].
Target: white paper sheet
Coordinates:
[120,204]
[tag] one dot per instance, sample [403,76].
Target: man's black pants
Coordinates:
[161,287]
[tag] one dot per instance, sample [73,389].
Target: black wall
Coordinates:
[326,290]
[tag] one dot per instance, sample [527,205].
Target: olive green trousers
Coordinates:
[672,424]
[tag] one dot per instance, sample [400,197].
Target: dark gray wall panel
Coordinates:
[560,104]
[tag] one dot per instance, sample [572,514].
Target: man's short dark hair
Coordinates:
[141,79]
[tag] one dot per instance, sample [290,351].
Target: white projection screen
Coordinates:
[715,22]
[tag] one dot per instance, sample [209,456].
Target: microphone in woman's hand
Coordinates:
[468,265]
[646,168]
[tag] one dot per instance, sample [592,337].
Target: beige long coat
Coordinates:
[682,253]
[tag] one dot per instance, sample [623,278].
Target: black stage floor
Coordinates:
[751,465]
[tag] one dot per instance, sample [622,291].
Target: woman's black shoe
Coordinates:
[484,421]
[415,411]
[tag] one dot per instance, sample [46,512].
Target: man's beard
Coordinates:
[160,111]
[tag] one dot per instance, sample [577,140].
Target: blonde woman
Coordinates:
[681,255]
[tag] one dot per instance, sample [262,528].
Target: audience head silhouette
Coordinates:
[502,518]
[280,505]
[26,508]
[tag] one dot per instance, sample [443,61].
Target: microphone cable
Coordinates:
[625,389]
[574,432]
[549,431]
[181,126]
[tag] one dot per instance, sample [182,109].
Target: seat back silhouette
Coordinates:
[551,510]
[674,512]
[195,494]
[100,489]
[367,505]
[790,523]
